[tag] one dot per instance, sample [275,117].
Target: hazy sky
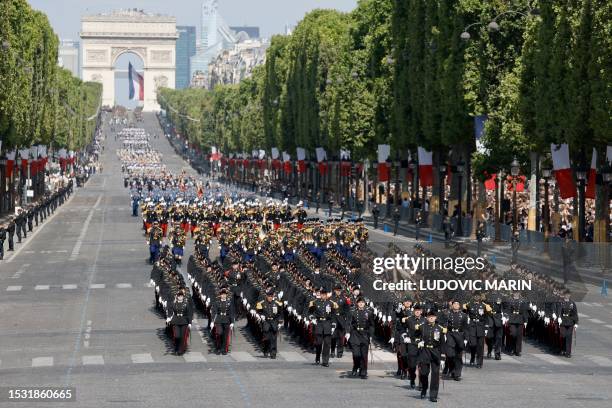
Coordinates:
[270,15]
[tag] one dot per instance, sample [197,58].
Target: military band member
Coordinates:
[178,244]
[456,339]
[270,315]
[155,235]
[430,356]
[179,317]
[323,315]
[361,331]
[222,321]
[567,317]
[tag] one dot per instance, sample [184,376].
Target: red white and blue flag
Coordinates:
[136,84]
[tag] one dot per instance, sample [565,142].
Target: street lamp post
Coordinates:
[412,166]
[546,173]
[514,170]
[459,173]
[581,176]
[441,186]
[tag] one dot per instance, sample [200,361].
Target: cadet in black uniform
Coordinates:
[344,309]
[2,238]
[222,321]
[567,317]
[411,339]
[430,356]
[495,329]
[10,230]
[518,315]
[270,312]
[323,314]
[179,317]
[362,330]
[456,340]
[477,311]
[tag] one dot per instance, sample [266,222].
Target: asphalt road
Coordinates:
[76,310]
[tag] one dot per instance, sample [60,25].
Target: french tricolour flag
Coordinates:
[563,170]
[425,167]
[136,84]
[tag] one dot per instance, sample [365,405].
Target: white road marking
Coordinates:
[41,287]
[583,315]
[292,356]
[142,358]
[551,359]
[79,242]
[14,288]
[242,356]
[382,355]
[19,271]
[69,286]
[124,285]
[596,321]
[93,360]
[194,357]
[600,360]
[609,326]
[97,286]
[42,361]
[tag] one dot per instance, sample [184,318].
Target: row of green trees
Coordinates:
[403,72]
[40,103]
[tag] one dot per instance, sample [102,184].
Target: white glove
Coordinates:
[347,336]
[375,311]
[168,319]
[314,321]
[208,302]
[535,308]
[559,320]
[333,330]
[575,326]
[421,344]
[546,320]
[299,318]
[407,340]
[189,326]
[465,342]
[486,331]
[525,325]
[379,315]
[392,340]
[290,309]
[280,294]
[389,319]
[231,326]
[554,316]
[244,302]
[279,326]
[248,306]
[212,325]
[504,320]
[152,282]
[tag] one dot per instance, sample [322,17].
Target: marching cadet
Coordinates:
[269,313]
[430,356]
[155,237]
[222,321]
[518,315]
[410,338]
[456,339]
[179,317]
[2,238]
[10,230]
[323,314]
[20,225]
[477,311]
[567,317]
[496,329]
[344,309]
[361,331]
[30,218]
[402,313]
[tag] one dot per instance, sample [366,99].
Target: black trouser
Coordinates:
[494,341]
[516,338]
[409,359]
[375,222]
[1,248]
[18,232]
[11,242]
[30,226]
[566,333]
[424,369]
[23,229]
[476,344]
[180,335]
[270,340]
[454,353]
[337,342]
[223,333]
[323,346]
[360,358]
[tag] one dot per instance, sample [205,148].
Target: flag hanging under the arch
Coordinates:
[136,84]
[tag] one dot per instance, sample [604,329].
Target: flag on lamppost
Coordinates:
[301,157]
[321,160]
[590,190]
[425,167]
[383,167]
[563,170]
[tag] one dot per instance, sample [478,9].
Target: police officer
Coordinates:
[270,312]
[222,321]
[361,331]
[179,317]
[567,318]
[430,355]
[323,314]
[456,340]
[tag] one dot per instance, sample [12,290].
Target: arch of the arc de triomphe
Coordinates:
[105,37]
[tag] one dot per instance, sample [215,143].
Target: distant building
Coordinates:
[68,56]
[253,32]
[185,49]
[216,36]
[232,66]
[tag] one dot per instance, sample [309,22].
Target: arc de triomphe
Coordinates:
[105,37]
